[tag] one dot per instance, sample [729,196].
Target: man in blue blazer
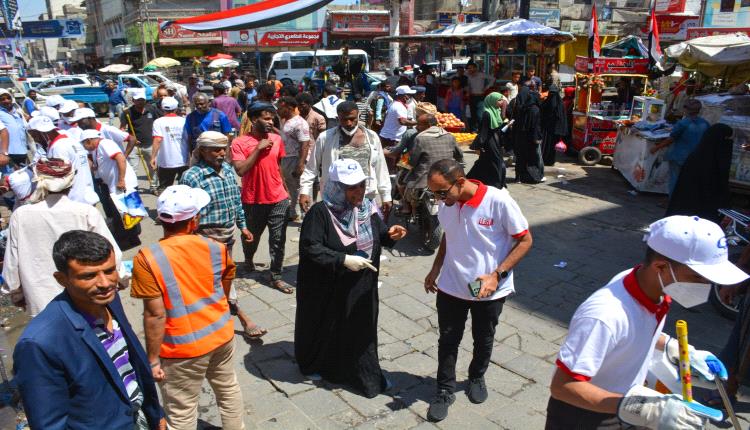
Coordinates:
[78,364]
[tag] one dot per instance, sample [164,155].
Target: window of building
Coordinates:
[727,6]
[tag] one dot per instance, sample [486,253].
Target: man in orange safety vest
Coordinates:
[184,280]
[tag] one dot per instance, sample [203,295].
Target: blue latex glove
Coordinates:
[716,367]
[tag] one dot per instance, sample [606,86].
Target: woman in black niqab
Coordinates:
[554,124]
[527,137]
[703,185]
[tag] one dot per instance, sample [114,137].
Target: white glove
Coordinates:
[355,263]
[645,407]
[703,364]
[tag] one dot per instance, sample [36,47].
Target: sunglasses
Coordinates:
[442,194]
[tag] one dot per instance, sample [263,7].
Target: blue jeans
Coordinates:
[115,110]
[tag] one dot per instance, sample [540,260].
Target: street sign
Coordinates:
[548,17]
[53,29]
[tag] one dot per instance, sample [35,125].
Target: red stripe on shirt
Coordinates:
[572,374]
[112,157]
[520,235]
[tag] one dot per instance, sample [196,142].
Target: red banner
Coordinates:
[176,35]
[693,33]
[612,66]
[669,6]
[290,38]
[673,27]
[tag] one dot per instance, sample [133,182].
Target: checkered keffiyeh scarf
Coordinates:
[352,223]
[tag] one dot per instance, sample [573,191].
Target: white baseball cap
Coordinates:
[169,103]
[54,100]
[137,93]
[697,243]
[3,91]
[68,106]
[82,113]
[404,89]
[49,112]
[22,183]
[91,133]
[180,202]
[41,123]
[346,171]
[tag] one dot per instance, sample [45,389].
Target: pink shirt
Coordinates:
[230,107]
[262,184]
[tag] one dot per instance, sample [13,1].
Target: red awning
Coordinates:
[220,57]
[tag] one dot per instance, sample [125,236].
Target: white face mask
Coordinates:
[687,294]
[349,133]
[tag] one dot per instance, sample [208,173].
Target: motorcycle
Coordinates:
[425,217]
[738,236]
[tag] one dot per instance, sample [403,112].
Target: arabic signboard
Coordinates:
[370,24]
[669,6]
[695,32]
[176,35]
[548,17]
[673,27]
[9,9]
[53,29]
[290,38]
[612,66]
[727,13]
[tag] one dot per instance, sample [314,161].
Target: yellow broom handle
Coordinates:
[685,377]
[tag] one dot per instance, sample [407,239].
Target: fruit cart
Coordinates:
[596,112]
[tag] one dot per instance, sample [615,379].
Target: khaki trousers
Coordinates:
[184,378]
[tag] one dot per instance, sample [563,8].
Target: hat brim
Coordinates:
[355,179]
[43,129]
[724,273]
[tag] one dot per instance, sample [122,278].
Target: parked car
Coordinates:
[63,84]
[97,99]
[161,78]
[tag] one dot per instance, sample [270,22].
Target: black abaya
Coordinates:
[335,333]
[527,137]
[554,124]
[490,167]
[703,185]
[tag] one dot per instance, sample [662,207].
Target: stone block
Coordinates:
[532,368]
[409,307]
[319,403]
[285,376]
[517,416]
[424,341]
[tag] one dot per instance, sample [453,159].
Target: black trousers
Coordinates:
[167,175]
[474,101]
[273,216]
[563,416]
[452,314]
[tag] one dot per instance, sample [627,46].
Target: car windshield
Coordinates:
[6,82]
[330,60]
[157,78]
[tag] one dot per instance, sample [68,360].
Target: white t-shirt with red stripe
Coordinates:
[112,133]
[173,151]
[106,166]
[479,235]
[613,334]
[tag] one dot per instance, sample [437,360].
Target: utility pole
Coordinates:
[395,31]
[144,54]
[148,22]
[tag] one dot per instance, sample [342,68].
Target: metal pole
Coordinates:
[395,31]
[148,22]
[144,54]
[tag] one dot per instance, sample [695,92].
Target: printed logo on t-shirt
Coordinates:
[486,222]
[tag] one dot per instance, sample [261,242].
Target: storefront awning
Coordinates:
[489,31]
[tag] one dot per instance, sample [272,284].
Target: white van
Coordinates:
[293,65]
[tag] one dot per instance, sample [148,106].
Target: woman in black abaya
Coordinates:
[703,185]
[490,167]
[527,137]
[335,334]
[554,124]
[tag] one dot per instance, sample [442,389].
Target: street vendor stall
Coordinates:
[605,89]
[725,58]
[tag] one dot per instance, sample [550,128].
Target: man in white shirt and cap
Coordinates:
[169,153]
[54,144]
[86,120]
[616,336]
[36,227]
[67,110]
[54,101]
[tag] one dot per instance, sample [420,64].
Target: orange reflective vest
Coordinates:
[188,270]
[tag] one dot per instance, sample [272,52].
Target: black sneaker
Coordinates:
[439,406]
[477,391]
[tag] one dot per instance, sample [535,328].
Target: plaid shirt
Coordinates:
[225,208]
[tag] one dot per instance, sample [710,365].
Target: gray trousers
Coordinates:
[288,164]
[273,216]
[135,161]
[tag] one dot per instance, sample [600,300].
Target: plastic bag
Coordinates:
[130,207]
[561,147]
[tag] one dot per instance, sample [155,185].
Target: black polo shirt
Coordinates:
[143,123]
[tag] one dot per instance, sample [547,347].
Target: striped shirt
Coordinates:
[117,349]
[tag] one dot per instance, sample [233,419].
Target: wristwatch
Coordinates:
[501,274]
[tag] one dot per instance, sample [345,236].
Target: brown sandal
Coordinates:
[282,286]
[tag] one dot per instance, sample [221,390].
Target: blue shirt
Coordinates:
[196,123]
[16,125]
[29,105]
[115,95]
[687,134]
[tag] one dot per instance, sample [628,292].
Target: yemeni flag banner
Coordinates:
[654,49]
[595,46]
[256,15]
